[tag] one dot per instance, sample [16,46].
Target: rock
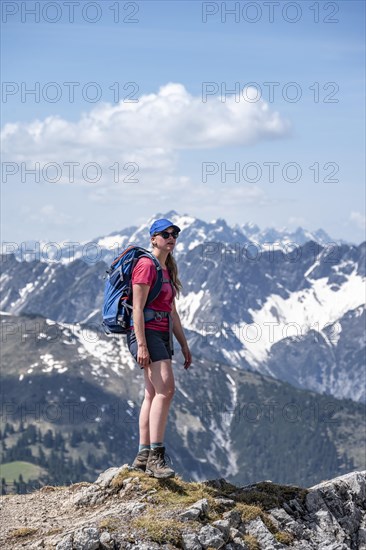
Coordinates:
[126,481]
[329,516]
[266,540]
[144,546]
[106,541]
[105,537]
[36,545]
[234,533]
[86,538]
[137,507]
[86,495]
[198,510]
[201,505]
[283,521]
[105,478]
[224,526]
[233,517]
[216,483]
[190,514]
[190,542]
[65,543]
[332,517]
[210,536]
[296,506]
[226,502]
[237,544]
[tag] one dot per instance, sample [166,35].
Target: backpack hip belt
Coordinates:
[153,315]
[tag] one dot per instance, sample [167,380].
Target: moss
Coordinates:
[22,532]
[251,542]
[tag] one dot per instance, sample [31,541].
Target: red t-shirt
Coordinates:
[145,273]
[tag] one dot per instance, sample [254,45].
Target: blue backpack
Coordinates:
[117,305]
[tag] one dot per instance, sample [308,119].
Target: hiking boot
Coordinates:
[140,461]
[156,465]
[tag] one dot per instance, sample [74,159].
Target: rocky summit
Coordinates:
[126,509]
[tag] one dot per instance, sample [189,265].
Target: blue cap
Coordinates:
[160,225]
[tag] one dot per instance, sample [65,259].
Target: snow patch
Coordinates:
[311,308]
[51,364]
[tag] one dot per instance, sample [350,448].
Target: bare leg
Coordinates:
[145,411]
[160,376]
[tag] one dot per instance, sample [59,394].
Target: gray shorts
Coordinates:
[157,343]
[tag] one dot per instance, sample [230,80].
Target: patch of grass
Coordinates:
[53,531]
[110,524]
[251,542]
[117,481]
[168,491]
[284,538]
[160,530]
[11,470]
[22,532]
[249,512]
[270,495]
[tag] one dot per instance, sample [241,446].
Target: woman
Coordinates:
[150,342]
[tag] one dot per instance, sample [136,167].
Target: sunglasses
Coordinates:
[167,234]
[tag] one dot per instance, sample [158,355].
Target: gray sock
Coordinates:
[154,445]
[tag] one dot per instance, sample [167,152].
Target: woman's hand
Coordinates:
[187,356]
[143,357]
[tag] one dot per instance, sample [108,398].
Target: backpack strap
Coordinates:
[155,290]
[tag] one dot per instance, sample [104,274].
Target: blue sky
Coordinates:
[169,136]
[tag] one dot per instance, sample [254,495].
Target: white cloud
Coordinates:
[149,135]
[358,219]
[148,132]
[48,213]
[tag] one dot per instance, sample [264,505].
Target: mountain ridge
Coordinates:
[267,238]
[125,509]
[253,306]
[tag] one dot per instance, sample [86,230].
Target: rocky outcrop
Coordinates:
[125,509]
[333,516]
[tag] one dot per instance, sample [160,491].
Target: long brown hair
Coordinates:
[172,267]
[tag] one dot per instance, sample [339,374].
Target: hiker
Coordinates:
[151,344]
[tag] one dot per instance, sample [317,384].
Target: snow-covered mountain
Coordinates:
[194,232]
[293,312]
[285,236]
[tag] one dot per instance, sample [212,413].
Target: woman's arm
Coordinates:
[140,293]
[177,327]
[180,336]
